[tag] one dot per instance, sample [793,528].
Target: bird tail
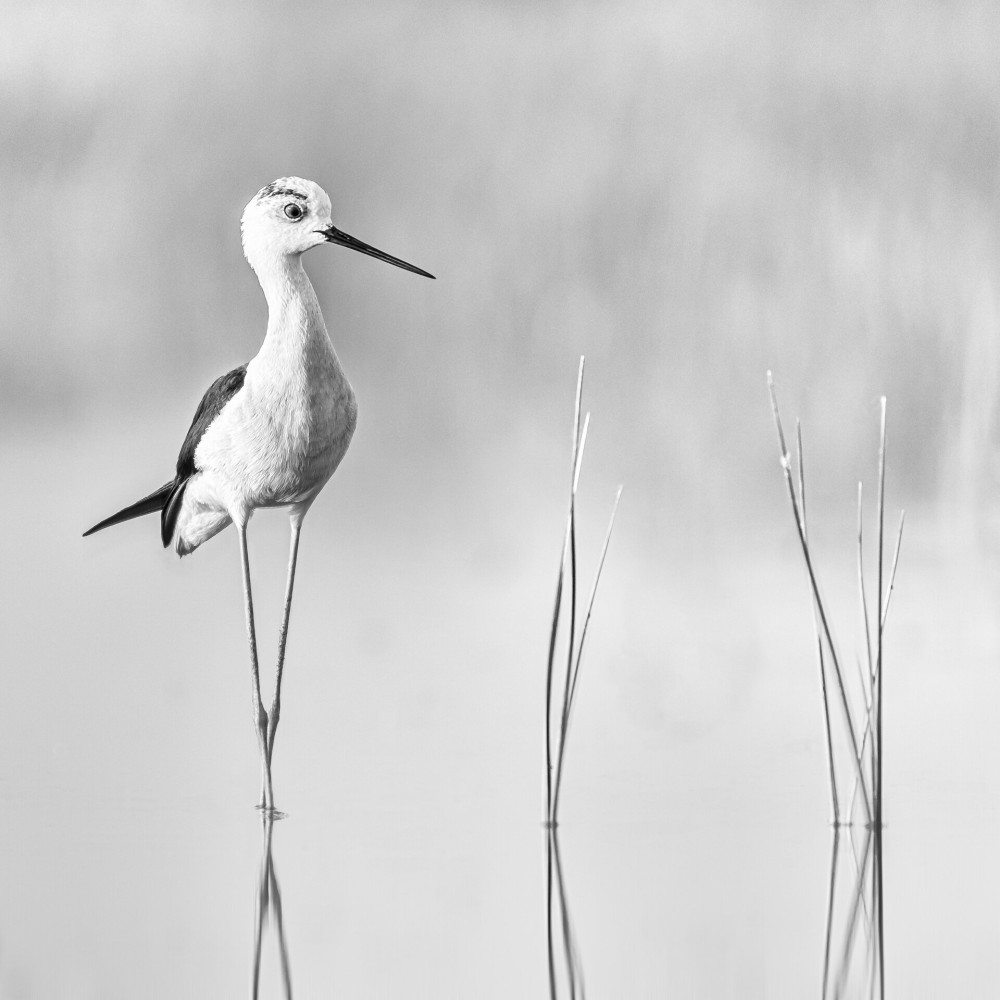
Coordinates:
[147,505]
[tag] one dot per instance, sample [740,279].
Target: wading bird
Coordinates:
[271,432]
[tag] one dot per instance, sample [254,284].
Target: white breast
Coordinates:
[283,434]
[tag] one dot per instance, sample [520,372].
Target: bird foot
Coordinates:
[270,811]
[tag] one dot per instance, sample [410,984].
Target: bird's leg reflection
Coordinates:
[268,901]
[556,893]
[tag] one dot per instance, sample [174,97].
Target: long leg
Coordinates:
[258,713]
[298,513]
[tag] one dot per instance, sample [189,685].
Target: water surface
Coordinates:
[694,844]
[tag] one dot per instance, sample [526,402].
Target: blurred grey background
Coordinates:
[688,194]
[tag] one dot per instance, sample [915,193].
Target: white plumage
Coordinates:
[282,436]
[271,433]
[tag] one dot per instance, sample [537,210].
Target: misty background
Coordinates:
[689,195]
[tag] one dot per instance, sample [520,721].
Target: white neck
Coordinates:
[293,313]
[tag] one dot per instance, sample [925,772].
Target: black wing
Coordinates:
[219,393]
[167,499]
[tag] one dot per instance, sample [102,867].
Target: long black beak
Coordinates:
[334,235]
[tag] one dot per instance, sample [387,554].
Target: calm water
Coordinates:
[694,847]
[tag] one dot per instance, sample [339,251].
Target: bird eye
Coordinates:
[294,212]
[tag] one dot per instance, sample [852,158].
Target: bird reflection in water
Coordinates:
[268,903]
[853,956]
[560,927]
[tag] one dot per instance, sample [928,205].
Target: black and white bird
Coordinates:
[273,431]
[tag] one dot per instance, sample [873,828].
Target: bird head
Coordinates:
[291,215]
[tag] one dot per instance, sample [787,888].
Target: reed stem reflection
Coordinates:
[558,921]
[267,903]
[855,918]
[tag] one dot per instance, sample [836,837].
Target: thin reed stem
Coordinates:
[571,697]
[564,718]
[868,678]
[895,563]
[804,545]
[819,639]
[571,641]
[878,659]
[869,686]
[568,554]
[885,614]
[548,682]
[864,736]
[593,594]
[567,546]
[879,800]
[567,580]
